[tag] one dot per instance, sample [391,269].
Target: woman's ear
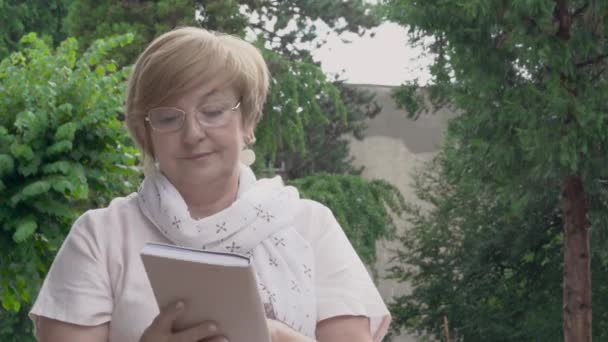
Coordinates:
[247,156]
[248,134]
[146,138]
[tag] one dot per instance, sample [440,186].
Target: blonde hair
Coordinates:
[184,58]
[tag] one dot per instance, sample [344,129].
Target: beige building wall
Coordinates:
[393,149]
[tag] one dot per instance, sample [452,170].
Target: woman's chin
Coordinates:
[202,176]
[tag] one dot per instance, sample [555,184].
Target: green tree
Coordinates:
[360,207]
[306,120]
[522,180]
[284,26]
[20,17]
[62,151]
[91,19]
[288,25]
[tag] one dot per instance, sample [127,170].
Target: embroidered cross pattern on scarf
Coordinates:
[259,225]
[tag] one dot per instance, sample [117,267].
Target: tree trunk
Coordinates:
[577,263]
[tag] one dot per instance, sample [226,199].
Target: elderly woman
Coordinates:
[193,101]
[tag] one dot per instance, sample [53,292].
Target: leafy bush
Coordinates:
[363,208]
[62,150]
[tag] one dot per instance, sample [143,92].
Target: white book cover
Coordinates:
[219,287]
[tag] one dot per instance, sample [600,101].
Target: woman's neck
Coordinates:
[215,197]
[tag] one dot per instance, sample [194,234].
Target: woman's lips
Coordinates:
[198,156]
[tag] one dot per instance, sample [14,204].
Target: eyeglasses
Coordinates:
[171,119]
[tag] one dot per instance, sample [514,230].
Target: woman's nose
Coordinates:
[193,131]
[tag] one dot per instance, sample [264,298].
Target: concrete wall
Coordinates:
[393,149]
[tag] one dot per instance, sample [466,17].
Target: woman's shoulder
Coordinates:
[120,212]
[314,219]
[118,207]
[313,209]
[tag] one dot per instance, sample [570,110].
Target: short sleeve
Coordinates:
[343,284]
[77,287]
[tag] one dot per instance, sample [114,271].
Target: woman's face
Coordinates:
[195,154]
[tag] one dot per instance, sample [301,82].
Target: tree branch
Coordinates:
[595,60]
[598,75]
[500,39]
[562,16]
[580,10]
[260,26]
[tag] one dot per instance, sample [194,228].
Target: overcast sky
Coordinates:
[385,59]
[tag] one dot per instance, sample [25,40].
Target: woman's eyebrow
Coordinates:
[213,97]
[206,95]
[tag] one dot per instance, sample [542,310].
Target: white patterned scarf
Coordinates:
[259,225]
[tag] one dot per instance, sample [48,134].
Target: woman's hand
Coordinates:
[161,329]
[280,332]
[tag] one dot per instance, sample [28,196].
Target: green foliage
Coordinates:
[303,125]
[491,266]
[20,17]
[290,24]
[362,208]
[488,255]
[283,25]
[327,148]
[62,150]
[91,19]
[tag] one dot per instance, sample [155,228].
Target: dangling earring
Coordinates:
[247,155]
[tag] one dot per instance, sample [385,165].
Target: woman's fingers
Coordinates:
[206,331]
[162,327]
[168,315]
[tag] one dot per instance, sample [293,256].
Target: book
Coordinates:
[219,287]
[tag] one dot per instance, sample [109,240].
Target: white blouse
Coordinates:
[98,277]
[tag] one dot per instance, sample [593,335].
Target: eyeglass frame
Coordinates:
[147,118]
